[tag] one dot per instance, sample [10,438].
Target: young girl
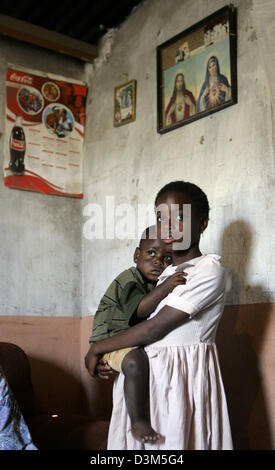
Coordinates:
[188,404]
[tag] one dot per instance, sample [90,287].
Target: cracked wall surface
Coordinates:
[230,154]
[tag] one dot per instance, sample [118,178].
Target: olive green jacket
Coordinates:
[118,305]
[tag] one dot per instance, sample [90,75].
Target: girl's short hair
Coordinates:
[197,196]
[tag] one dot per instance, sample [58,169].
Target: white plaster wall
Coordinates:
[228,154]
[40,235]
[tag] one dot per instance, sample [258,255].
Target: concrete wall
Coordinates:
[52,344]
[40,235]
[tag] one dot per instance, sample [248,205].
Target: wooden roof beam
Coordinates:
[47,39]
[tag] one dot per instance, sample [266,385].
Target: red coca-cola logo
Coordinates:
[17,144]
[26,79]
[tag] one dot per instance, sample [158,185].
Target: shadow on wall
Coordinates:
[240,341]
[57,391]
[97,395]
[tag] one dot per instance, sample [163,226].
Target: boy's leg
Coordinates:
[135,367]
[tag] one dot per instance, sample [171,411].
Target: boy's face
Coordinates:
[152,258]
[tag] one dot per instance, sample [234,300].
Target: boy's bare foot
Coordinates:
[143,432]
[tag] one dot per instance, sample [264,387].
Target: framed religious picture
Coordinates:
[197,71]
[125,103]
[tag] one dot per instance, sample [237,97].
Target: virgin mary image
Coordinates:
[215,89]
[182,103]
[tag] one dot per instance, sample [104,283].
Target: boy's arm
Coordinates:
[150,301]
[147,332]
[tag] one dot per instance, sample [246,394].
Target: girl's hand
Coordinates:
[97,367]
[173,281]
[103,370]
[91,361]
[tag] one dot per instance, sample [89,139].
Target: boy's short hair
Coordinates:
[197,196]
[150,233]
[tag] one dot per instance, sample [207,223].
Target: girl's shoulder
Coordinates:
[207,271]
[210,262]
[211,257]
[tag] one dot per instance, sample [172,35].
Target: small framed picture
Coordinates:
[197,71]
[125,103]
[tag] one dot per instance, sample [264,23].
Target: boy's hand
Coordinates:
[173,281]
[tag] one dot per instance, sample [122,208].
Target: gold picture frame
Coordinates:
[125,103]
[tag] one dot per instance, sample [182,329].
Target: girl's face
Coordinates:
[212,67]
[178,221]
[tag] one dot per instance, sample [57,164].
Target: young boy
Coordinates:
[130,298]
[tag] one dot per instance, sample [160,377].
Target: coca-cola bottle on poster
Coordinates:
[17,147]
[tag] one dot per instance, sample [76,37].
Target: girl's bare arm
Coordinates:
[144,333]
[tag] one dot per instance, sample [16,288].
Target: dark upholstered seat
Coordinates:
[48,432]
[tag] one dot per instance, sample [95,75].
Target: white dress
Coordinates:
[187,400]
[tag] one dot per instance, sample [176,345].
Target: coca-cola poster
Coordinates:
[44,133]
